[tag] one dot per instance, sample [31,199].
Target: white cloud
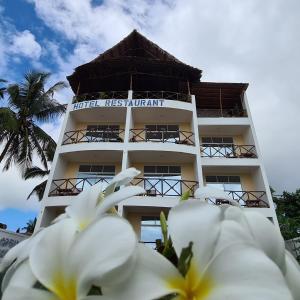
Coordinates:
[25,44]
[14,191]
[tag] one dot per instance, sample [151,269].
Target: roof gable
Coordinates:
[136,45]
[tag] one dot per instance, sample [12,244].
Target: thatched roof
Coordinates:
[135,54]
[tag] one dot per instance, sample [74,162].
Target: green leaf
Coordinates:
[164,226]
[185,196]
[185,259]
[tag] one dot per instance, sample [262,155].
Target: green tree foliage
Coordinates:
[30,226]
[288,213]
[29,105]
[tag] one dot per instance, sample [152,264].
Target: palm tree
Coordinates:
[30,226]
[40,188]
[2,89]
[29,104]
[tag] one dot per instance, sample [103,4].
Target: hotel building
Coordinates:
[136,105]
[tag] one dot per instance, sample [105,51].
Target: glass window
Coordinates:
[150,230]
[218,146]
[102,133]
[162,132]
[163,180]
[91,174]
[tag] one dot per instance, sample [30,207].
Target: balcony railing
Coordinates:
[244,198]
[92,136]
[161,95]
[228,151]
[165,186]
[73,186]
[221,113]
[101,95]
[176,137]
[155,186]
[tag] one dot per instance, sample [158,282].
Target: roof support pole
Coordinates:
[130,82]
[188,87]
[78,88]
[221,108]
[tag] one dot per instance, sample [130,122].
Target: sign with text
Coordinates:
[119,103]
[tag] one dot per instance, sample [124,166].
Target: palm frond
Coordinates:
[51,111]
[39,190]
[55,88]
[34,172]
[8,120]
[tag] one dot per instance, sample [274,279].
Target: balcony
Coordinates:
[222,113]
[244,198]
[165,186]
[101,95]
[161,95]
[73,186]
[176,137]
[93,136]
[158,187]
[228,151]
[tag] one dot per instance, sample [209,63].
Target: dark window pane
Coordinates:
[175,169]
[222,178]
[102,127]
[162,127]
[171,134]
[234,179]
[206,140]
[228,140]
[109,169]
[150,127]
[173,127]
[211,179]
[97,169]
[149,169]
[217,140]
[162,169]
[114,127]
[91,127]
[84,168]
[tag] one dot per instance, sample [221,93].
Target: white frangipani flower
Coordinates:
[68,264]
[227,263]
[94,202]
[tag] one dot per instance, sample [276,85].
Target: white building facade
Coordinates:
[180,132]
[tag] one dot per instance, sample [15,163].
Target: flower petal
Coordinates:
[100,253]
[122,178]
[241,271]
[149,279]
[19,293]
[48,257]
[266,234]
[116,197]
[198,222]
[292,275]
[205,192]
[21,276]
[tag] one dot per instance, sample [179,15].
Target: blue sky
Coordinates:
[233,41]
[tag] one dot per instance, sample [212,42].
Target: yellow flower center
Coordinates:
[64,289]
[192,286]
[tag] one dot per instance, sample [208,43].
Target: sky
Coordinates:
[251,41]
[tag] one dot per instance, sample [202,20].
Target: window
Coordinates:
[93,174]
[225,183]
[163,180]
[218,146]
[150,230]
[166,133]
[102,133]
